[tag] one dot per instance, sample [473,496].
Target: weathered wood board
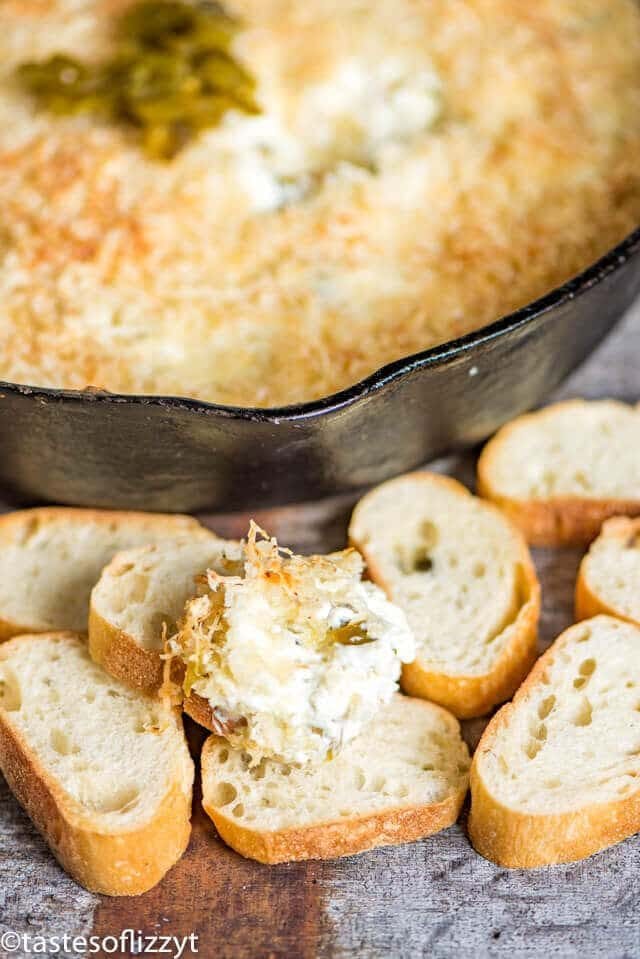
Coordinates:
[433,898]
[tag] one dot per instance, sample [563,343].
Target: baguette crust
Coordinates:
[561,521]
[471,696]
[338,837]
[199,709]
[331,840]
[558,520]
[124,863]
[589,603]
[9,628]
[520,840]
[120,650]
[119,655]
[12,524]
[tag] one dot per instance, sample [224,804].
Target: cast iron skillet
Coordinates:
[167,453]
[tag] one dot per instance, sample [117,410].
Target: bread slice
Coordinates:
[464,577]
[609,576]
[561,472]
[142,590]
[404,777]
[50,559]
[103,771]
[556,775]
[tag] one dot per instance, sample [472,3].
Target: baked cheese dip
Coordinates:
[383,176]
[296,655]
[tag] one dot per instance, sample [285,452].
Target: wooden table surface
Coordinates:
[432,898]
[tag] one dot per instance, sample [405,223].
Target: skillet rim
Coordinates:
[442,354]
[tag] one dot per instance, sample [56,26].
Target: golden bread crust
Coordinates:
[334,838]
[15,525]
[470,696]
[588,601]
[118,863]
[523,841]
[556,520]
[118,653]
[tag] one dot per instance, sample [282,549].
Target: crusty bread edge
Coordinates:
[523,841]
[589,603]
[516,840]
[199,709]
[72,515]
[337,837]
[121,656]
[557,521]
[469,696]
[117,650]
[114,864]
[561,521]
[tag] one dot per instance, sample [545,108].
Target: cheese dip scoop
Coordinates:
[294,657]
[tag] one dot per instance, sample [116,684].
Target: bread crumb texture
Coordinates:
[415,173]
[610,572]
[579,448]
[111,754]
[571,738]
[50,558]
[411,754]
[456,566]
[143,591]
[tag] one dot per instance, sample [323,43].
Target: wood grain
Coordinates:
[239,909]
[433,898]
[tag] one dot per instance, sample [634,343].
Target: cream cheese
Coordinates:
[297,655]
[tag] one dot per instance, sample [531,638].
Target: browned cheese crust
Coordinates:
[526,174]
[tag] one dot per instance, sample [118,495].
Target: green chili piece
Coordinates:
[171,75]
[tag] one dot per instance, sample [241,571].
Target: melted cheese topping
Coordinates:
[297,655]
[419,169]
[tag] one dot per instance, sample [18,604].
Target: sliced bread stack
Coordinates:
[100,762]
[561,472]
[104,772]
[463,575]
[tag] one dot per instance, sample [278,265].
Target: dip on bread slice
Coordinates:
[293,658]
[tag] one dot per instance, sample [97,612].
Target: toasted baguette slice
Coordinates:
[556,775]
[463,575]
[141,590]
[103,771]
[404,777]
[50,559]
[561,472]
[609,577]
